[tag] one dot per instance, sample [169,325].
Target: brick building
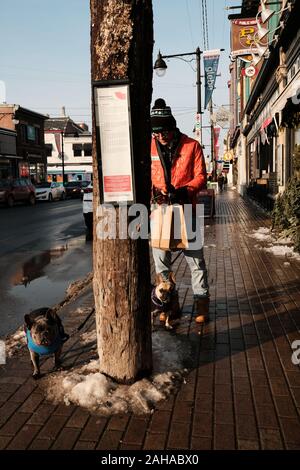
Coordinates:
[8,153]
[264,88]
[31,161]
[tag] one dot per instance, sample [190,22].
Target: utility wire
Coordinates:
[204,26]
[189,21]
[206,22]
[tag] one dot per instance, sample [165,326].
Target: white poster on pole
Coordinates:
[112,111]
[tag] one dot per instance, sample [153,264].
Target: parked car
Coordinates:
[87,206]
[49,191]
[84,184]
[73,189]
[17,190]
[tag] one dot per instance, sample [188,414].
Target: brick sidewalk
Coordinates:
[244,392]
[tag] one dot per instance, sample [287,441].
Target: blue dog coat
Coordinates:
[43,350]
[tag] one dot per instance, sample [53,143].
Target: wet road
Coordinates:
[42,250]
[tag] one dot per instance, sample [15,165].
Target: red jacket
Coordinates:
[188,167]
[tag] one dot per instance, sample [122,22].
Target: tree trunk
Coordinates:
[121,48]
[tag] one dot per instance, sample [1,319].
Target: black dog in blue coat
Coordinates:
[45,335]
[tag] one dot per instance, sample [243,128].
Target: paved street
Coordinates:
[243,391]
[42,250]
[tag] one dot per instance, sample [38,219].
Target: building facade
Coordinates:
[265,137]
[69,150]
[8,154]
[30,161]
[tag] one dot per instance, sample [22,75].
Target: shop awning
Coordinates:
[266,123]
[289,92]
[68,169]
[10,156]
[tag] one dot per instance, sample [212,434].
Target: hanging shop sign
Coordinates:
[211,63]
[114,142]
[222,116]
[250,71]
[243,36]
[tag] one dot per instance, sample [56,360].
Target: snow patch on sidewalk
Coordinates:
[262,234]
[87,387]
[277,246]
[15,342]
[88,338]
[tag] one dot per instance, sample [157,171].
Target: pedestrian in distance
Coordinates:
[225,182]
[178,172]
[220,181]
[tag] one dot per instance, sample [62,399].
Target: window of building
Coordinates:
[37,135]
[23,132]
[49,148]
[77,149]
[31,135]
[87,148]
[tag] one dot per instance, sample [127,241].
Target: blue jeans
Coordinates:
[196,262]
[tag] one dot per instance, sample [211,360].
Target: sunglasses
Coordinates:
[161,133]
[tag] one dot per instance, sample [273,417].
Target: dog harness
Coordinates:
[159,304]
[43,350]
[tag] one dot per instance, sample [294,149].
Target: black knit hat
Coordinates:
[161,117]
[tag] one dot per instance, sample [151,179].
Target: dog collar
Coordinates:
[43,350]
[157,302]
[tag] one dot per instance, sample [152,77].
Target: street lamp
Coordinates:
[160,68]
[63,157]
[60,148]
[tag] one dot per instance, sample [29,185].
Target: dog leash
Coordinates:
[174,260]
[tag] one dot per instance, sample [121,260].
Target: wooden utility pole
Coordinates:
[121,48]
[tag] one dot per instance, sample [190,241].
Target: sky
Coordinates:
[45,56]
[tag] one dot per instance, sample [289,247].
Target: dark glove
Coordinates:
[181,196]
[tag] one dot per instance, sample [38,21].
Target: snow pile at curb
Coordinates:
[15,342]
[277,246]
[262,234]
[87,338]
[87,387]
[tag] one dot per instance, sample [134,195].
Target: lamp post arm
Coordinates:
[178,55]
[63,157]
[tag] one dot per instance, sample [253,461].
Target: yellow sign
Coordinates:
[227,156]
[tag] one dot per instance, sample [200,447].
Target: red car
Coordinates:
[73,189]
[17,190]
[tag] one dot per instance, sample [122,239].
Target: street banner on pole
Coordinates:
[58,143]
[216,142]
[211,62]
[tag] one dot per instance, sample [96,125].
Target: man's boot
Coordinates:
[201,308]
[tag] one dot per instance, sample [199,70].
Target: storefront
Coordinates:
[79,173]
[8,158]
[291,122]
[37,171]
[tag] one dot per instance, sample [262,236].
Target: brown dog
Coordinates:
[165,300]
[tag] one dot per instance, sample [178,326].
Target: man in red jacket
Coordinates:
[178,172]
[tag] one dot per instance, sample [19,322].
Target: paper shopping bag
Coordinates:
[178,238]
[168,228]
[160,224]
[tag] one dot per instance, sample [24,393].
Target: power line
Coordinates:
[189,21]
[203,27]
[206,22]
